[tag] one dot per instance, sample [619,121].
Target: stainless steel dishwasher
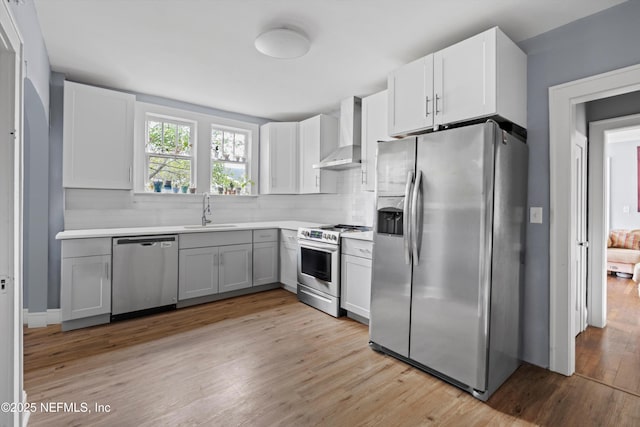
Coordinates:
[145,275]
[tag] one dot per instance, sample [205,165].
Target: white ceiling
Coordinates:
[201,51]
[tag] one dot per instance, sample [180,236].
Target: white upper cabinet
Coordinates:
[374,128]
[318,138]
[279,158]
[98,138]
[411,97]
[483,76]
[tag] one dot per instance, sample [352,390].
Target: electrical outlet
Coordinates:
[4,284]
[535,215]
[625,209]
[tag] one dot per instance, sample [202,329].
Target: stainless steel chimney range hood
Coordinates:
[348,153]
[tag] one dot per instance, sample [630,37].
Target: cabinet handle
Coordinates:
[130,173]
[317,178]
[221,260]
[437,99]
[106,270]
[426,107]
[363,175]
[215,259]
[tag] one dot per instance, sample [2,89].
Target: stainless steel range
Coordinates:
[319,266]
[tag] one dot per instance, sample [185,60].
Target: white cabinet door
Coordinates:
[198,272]
[279,158]
[235,267]
[98,138]
[465,79]
[318,138]
[265,263]
[375,127]
[356,285]
[410,97]
[86,287]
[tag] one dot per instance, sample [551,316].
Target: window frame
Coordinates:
[178,121]
[247,149]
[202,159]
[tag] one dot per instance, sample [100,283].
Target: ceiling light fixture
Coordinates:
[282,43]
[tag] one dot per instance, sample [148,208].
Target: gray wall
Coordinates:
[598,43]
[624,186]
[56,193]
[36,157]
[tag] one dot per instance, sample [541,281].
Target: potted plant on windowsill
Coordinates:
[244,182]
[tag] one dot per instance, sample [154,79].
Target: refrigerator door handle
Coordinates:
[406,230]
[415,217]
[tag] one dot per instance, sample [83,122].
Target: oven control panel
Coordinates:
[319,235]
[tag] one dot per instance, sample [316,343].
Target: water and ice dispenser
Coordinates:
[390,215]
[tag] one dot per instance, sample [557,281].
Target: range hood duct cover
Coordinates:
[348,153]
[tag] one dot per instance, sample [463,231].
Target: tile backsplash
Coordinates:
[116,208]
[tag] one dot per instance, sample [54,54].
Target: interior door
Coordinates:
[579,231]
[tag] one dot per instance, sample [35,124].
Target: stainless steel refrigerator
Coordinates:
[449,253]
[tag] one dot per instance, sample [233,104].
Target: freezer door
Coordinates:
[391,281]
[390,295]
[450,287]
[394,161]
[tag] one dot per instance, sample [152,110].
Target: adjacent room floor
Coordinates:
[266,359]
[612,354]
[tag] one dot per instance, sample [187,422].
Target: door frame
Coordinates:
[562,122]
[598,218]
[11,126]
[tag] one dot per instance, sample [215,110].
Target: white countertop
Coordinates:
[358,235]
[180,229]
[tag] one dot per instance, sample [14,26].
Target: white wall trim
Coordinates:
[598,218]
[52,316]
[562,101]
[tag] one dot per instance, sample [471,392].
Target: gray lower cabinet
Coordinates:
[86,278]
[265,256]
[235,267]
[356,276]
[199,271]
[289,260]
[265,263]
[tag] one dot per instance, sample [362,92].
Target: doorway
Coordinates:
[607,352]
[562,123]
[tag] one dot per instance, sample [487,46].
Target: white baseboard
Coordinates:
[54,316]
[41,319]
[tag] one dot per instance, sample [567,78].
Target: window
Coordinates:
[169,154]
[229,161]
[197,152]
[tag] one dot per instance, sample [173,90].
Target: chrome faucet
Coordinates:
[206,209]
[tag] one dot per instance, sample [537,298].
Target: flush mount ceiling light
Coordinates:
[282,43]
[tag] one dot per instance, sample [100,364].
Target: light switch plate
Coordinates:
[535,215]
[625,209]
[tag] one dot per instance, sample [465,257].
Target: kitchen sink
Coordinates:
[211,226]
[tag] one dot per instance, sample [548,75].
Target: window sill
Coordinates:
[151,195]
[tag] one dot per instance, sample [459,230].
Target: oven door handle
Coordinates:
[322,247]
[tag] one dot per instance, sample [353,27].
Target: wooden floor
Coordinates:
[266,359]
[612,354]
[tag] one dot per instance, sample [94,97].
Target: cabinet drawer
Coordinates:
[217,238]
[359,248]
[86,247]
[270,235]
[289,238]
